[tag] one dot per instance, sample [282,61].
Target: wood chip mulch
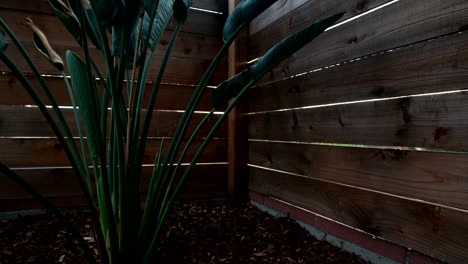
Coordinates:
[197,232]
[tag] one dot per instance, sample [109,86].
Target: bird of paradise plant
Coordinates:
[108,157]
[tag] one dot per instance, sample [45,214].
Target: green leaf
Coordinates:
[243,14]
[181,9]
[148,5]
[51,208]
[3,41]
[67,17]
[281,51]
[159,23]
[43,45]
[107,10]
[117,41]
[91,24]
[230,88]
[132,10]
[84,97]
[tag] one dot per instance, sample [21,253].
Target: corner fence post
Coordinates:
[237,130]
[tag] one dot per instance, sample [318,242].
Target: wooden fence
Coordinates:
[28,144]
[355,127]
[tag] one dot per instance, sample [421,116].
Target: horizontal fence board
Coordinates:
[212,5]
[434,66]
[179,70]
[191,55]
[187,45]
[16,121]
[21,153]
[43,6]
[205,181]
[276,11]
[63,182]
[428,121]
[435,177]
[197,22]
[287,18]
[435,231]
[383,30]
[171,97]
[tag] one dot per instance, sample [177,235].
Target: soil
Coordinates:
[197,232]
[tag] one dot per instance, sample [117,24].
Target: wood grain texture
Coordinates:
[22,153]
[274,12]
[50,181]
[179,70]
[188,44]
[237,129]
[435,177]
[286,17]
[16,121]
[60,185]
[171,97]
[434,66]
[427,121]
[213,5]
[43,6]
[402,23]
[195,18]
[436,231]
[191,55]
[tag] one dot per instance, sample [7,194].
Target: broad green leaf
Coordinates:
[50,207]
[107,10]
[132,12]
[230,88]
[43,45]
[281,51]
[80,83]
[159,23]
[3,41]
[243,14]
[148,5]
[92,27]
[67,17]
[117,41]
[181,9]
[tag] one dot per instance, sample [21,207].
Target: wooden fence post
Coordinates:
[237,130]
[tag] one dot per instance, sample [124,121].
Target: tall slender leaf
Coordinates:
[243,14]
[164,13]
[181,9]
[230,88]
[3,41]
[79,79]
[107,10]
[67,17]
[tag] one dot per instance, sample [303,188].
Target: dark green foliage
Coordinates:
[281,51]
[112,137]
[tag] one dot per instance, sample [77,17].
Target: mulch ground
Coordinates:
[197,232]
